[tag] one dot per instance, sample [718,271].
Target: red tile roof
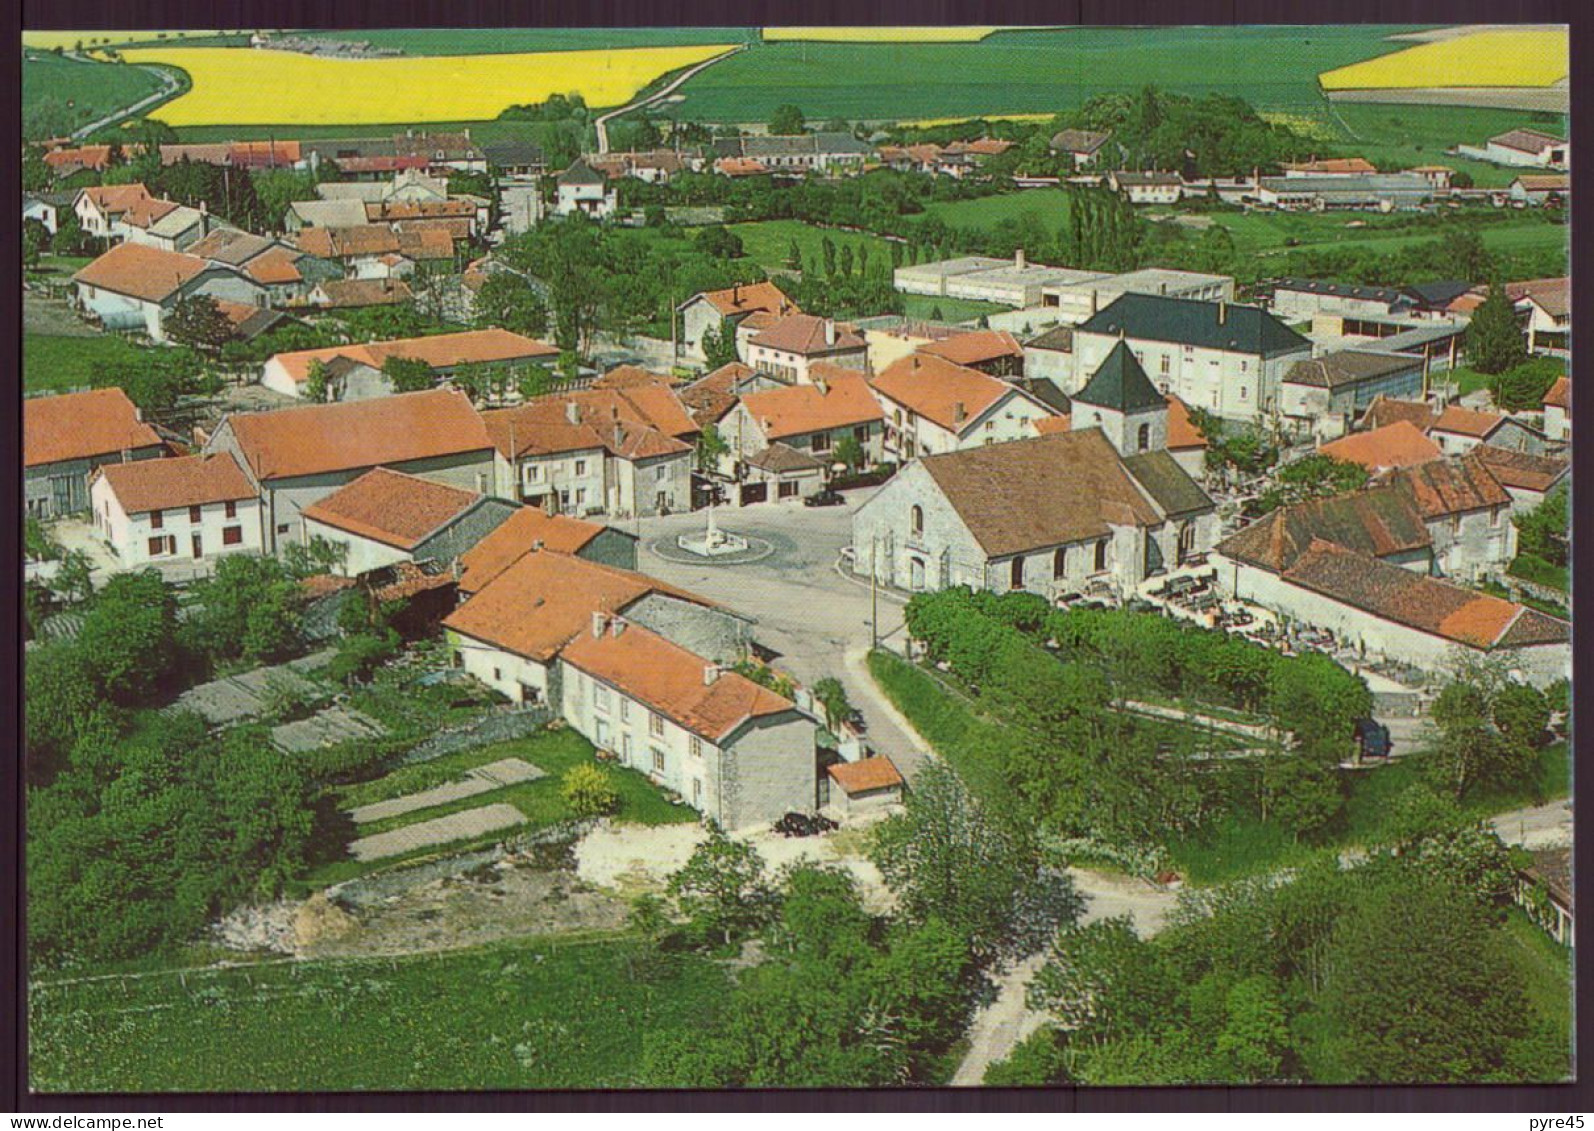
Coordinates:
[518,536]
[796,410]
[975,347]
[865,776]
[116,199]
[1379,522]
[82,157]
[749,297]
[805,334]
[1387,410]
[1467,421]
[148,485]
[1183,435]
[538,604]
[709,398]
[1560,394]
[390,507]
[1427,604]
[346,243]
[1451,487]
[1332,165]
[633,423]
[316,439]
[136,270]
[440,351]
[81,426]
[1400,444]
[671,680]
[938,390]
[1521,470]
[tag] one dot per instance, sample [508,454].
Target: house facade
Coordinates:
[712,310]
[931,406]
[1325,396]
[191,508]
[796,342]
[136,287]
[66,438]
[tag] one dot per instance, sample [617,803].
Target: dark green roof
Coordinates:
[1168,483]
[1119,383]
[1156,318]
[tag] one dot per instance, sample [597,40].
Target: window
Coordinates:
[193,514]
[990,425]
[156,520]
[157,546]
[658,760]
[232,536]
[1166,361]
[861,433]
[1017,578]
[625,749]
[533,472]
[232,508]
[581,467]
[581,495]
[600,697]
[655,724]
[916,520]
[282,528]
[697,747]
[625,710]
[1060,562]
[787,490]
[1245,392]
[498,674]
[821,441]
[1244,365]
[1101,555]
[1144,437]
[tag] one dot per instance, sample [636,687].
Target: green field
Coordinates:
[1419,135]
[1049,204]
[56,364]
[545,1014]
[87,91]
[1040,71]
[768,242]
[503,41]
[951,309]
[1265,233]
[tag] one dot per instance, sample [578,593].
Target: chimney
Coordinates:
[820,383]
[617,626]
[1018,259]
[830,331]
[711,672]
[536,544]
[959,413]
[915,361]
[1094,301]
[736,294]
[597,624]
[1223,312]
[572,412]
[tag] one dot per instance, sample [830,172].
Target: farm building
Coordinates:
[65,438]
[1540,188]
[136,287]
[932,278]
[445,353]
[1558,412]
[1529,147]
[1076,300]
[711,310]
[1147,188]
[932,405]
[385,517]
[1326,395]
[1086,147]
[1380,192]
[530,529]
[864,786]
[1399,443]
[581,188]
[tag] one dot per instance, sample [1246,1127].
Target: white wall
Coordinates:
[502,671]
[362,553]
[129,535]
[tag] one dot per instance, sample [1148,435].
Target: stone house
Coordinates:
[1324,396]
[191,508]
[137,287]
[711,310]
[932,405]
[787,349]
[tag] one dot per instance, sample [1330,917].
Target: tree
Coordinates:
[535,381]
[850,452]
[128,638]
[1102,981]
[794,257]
[408,374]
[1542,531]
[316,389]
[945,858]
[588,791]
[719,241]
[722,888]
[832,698]
[35,240]
[1494,340]
[786,120]
[1036,1061]
[73,582]
[69,236]
[1473,750]
[36,175]
[247,607]
[508,301]
[1455,1020]
[719,345]
[1255,1035]
[1522,387]
[711,448]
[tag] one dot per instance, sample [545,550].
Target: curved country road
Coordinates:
[602,121]
[169,87]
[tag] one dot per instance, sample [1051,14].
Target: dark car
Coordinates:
[824,499]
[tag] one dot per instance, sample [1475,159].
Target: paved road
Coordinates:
[816,620]
[1539,826]
[168,88]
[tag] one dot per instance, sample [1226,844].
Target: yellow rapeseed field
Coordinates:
[45,40]
[242,88]
[1487,58]
[880,34]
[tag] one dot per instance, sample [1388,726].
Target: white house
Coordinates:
[581,188]
[809,422]
[735,751]
[65,437]
[192,508]
[932,405]
[1084,146]
[711,310]
[1222,357]
[1558,411]
[1147,188]
[136,287]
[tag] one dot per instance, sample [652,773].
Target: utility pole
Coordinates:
[874,594]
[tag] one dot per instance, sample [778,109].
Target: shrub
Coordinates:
[588,790]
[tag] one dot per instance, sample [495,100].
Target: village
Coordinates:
[503,543]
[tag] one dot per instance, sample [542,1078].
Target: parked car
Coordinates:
[826,498]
